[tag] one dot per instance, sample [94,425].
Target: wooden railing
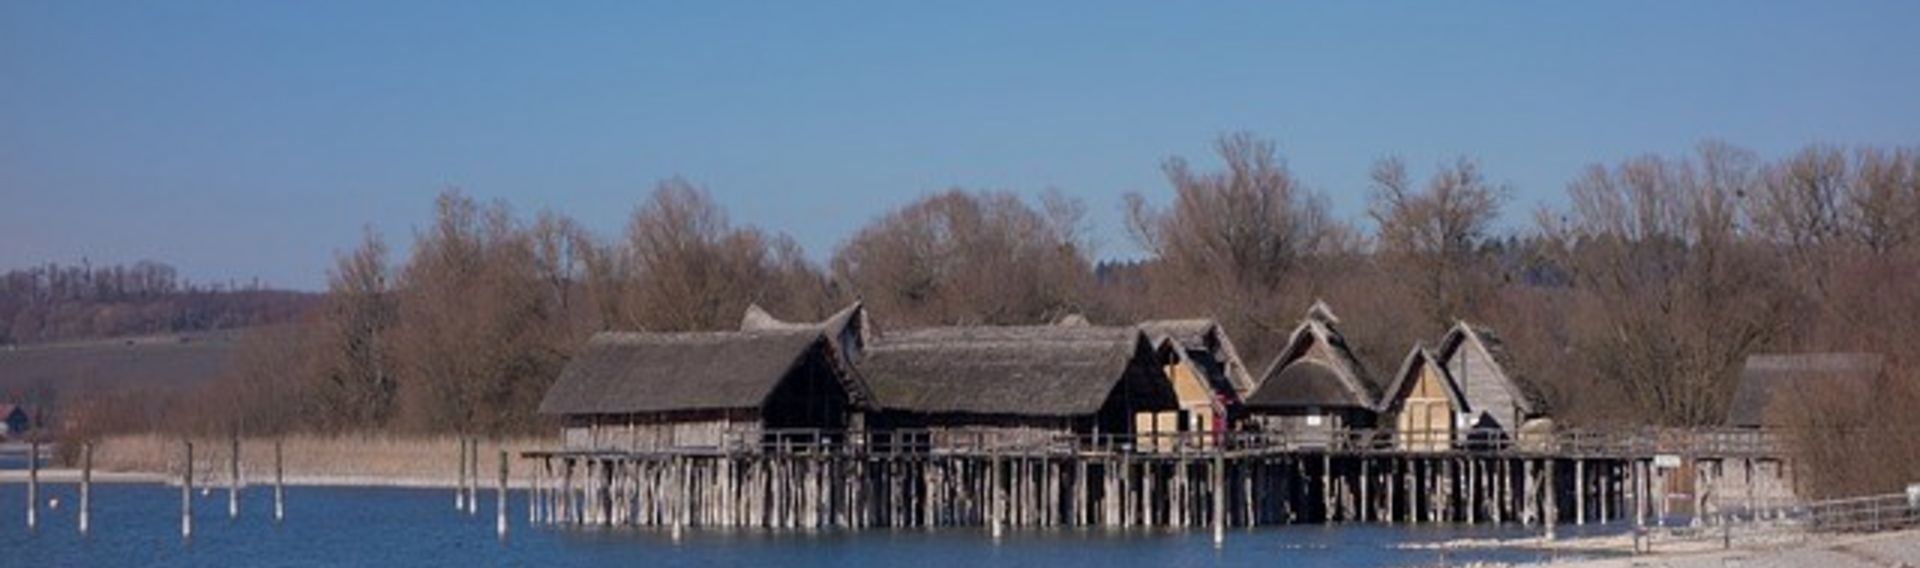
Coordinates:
[1793,521]
[1620,443]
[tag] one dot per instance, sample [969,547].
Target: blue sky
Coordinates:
[240,140]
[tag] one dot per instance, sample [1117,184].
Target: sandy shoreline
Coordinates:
[1880,550]
[63,476]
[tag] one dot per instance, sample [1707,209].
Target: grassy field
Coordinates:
[159,362]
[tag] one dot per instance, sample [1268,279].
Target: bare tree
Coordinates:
[1247,244]
[688,268]
[1669,297]
[356,383]
[1882,203]
[1431,239]
[962,257]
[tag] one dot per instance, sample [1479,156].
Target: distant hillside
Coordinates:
[171,361]
[56,303]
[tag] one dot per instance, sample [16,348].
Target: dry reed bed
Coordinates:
[347,460]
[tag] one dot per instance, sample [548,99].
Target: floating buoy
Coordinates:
[53,503]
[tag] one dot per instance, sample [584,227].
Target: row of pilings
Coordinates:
[1117,491]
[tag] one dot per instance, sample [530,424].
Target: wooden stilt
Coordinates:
[1579,492]
[500,504]
[460,483]
[33,485]
[473,476]
[1326,486]
[1552,497]
[279,482]
[1219,490]
[186,493]
[86,485]
[1366,505]
[233,478]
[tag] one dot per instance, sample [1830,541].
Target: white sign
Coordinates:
[1666,461]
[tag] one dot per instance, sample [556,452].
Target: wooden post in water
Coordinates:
[473,476]
[1579,492]
[233,479]
[534,485]
[86,484]
[1638,479]
[996,510]
[1366,504]
[279,483]
[1219,497]
[1326,486]
[33,485]
[1552,506]
[1608,475]
[460,484]
[186,494]
[500,513]
[1472,505]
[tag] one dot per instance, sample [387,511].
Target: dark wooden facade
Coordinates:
[1042,380]
[649,391]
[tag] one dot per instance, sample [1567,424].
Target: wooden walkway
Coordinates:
[822,479]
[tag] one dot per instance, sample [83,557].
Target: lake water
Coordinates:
[140,525]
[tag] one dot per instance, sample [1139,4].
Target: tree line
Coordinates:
[1636,303]
[55,302]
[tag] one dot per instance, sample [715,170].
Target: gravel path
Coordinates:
[1896,549]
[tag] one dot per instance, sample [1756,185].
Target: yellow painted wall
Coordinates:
[1189,387]
[1425,422]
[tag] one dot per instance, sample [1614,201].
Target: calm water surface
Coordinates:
[139,525]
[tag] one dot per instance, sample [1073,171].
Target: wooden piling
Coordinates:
[1472,490]
[1366,504]
[33,485]
[186,493]
[1326,486]
[279,482]
[1219,489]
[500,504]
[233,478]
[1552,505]
[1579,492]
[473,476]
[460,482]
[86,485]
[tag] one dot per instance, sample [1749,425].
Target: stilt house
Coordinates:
[1207,376]
[695,391]
[1503,403]
[1315,388]
[1424,407]
[1026,384]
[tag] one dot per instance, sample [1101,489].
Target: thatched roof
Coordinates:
[847,331]
[1419,359]
[1207,337]
[1526,394]
[853,316]
[1302,376]
[633,373]
[1045,371]
[1768,378]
